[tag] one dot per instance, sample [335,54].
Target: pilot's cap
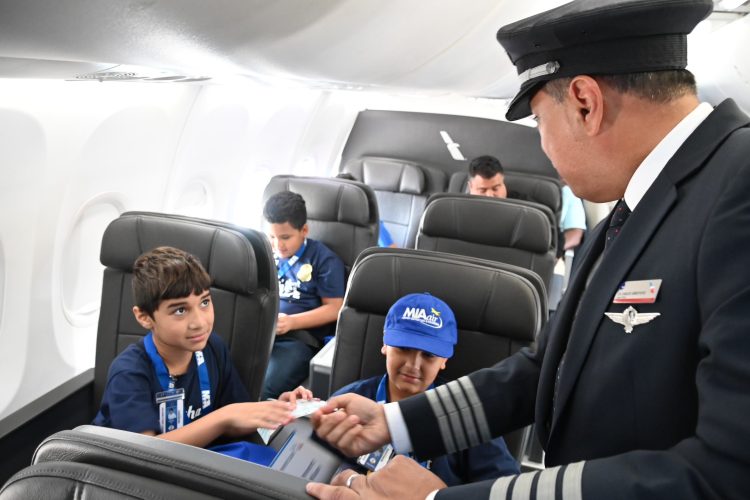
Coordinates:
[605,37]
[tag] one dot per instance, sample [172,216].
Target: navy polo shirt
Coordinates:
[128,402]
[319,273]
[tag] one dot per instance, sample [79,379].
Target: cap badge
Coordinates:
[630,318]
[420,316]
[545,69]
[305,273]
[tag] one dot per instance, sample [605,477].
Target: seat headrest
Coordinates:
[537,188]
[129,236]
[488,221]
[381,276]
[329,199]
[383,174]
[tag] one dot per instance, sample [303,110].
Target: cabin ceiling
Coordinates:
[425,46]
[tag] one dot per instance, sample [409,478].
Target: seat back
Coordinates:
[402,189]
[536,188]
[201,471]
[499,309]
[244,289]
[68,480]
[342,214]
[505,230]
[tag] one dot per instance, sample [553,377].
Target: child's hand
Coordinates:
[245,418]
[298,393]
[284,324]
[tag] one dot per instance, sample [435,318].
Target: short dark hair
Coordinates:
[656,86]
[486,166]
[166,273]
[345,175]
[286,206]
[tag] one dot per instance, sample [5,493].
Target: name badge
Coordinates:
[637,292]
[377,459]
[171,409]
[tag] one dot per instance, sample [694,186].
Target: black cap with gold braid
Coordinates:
[605,37]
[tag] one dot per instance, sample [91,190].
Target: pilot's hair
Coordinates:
[659,87]
[166,273]
[286,206]
[485,166]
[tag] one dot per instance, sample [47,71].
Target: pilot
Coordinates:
[658,412]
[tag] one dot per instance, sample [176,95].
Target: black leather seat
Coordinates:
[505,230]
[342,214]
[536,188]
[68,481]
[178,466]
[402,189]
[499,309]
[244,289]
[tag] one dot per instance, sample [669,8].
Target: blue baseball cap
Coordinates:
[421,321]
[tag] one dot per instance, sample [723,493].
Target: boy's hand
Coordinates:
[352,423]
[284,324]
[245,418]
[298,393]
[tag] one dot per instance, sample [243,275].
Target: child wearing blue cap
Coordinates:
[418,338]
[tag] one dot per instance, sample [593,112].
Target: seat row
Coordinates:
[345,214]
[499,308]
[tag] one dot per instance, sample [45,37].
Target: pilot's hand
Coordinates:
[401,478]
[352,423]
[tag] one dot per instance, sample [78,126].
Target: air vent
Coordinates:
[135,74]
[108,76]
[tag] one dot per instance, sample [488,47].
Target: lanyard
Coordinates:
[381,396]
[167,382]
[286,266]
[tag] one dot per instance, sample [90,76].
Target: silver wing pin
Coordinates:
[630,318]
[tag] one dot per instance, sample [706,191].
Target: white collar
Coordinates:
[654,163]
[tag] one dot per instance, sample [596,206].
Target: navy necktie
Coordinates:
[619,216]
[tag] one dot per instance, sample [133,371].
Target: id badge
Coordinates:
[171,409]
[377,459]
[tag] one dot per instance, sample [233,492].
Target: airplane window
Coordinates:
[80,278]
[196,200]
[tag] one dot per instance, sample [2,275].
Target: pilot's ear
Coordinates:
[383,350]
[587,98]
[442,365]
[143,318]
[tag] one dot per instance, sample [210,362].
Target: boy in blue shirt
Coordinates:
[178,383]
[418,338]
[311,291]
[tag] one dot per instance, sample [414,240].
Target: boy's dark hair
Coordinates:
[486,166]
[286,206]
[345,175]
[166,273]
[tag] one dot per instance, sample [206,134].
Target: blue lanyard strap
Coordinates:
[168,382]
[286,266]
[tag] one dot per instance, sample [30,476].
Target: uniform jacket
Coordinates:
[664,411]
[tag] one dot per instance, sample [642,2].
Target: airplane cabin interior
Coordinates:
[131,124]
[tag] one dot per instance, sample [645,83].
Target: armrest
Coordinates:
[186,466]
